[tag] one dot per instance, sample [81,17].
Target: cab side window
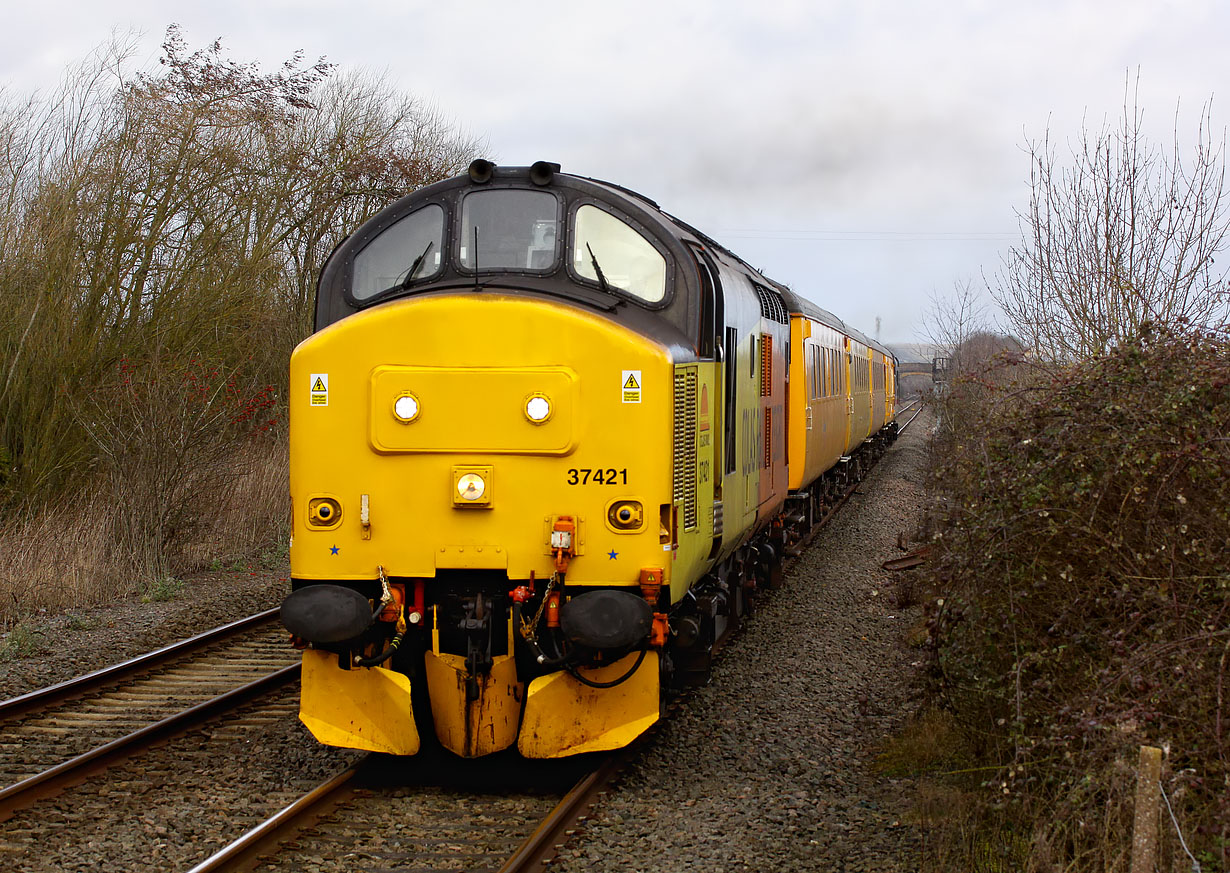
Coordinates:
[602,243]
[411,243]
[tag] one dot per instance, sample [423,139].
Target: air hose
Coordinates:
[531,641]
[572,671]
[386,597]
[383,656]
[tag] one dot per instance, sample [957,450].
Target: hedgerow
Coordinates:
[1083,592]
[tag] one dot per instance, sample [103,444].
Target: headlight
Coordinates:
[473,486]
[470,487]
[406,408]
[537,408]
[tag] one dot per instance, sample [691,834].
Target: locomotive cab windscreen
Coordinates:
[541,233]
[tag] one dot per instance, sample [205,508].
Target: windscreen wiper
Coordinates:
[602,283]
[414,268]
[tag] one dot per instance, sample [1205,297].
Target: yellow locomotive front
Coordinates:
[481,477]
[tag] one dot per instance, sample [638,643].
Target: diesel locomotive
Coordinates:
[547,442]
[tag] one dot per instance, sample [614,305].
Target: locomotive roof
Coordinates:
[334,302]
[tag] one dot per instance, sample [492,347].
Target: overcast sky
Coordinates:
[865,153]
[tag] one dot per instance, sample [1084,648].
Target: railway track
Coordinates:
[382,814]
[60,735]
[911,405]
[344,822]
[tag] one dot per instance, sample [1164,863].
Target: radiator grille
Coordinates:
[772,306]
[685,444]
[766,365]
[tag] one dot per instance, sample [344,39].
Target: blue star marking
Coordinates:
[335,550]
[612,554]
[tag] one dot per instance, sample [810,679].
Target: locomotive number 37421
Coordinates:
[598,476]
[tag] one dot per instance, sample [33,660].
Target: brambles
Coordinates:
[1084,603]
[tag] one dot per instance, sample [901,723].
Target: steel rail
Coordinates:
[546,839]
[917,413]
[265,837]
[51,781]
[52,694]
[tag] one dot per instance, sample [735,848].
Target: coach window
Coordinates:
[602,243]
[407,251]
[511,230]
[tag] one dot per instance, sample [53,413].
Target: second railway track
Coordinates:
[54,736]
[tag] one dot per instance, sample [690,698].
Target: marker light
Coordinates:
[471,486]
[625,515]
[406,408]
[537,408]
[324,512]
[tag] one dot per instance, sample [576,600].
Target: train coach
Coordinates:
[547,443]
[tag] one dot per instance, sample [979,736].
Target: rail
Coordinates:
[55,779]
[90,702]
[265,837]
[53,694]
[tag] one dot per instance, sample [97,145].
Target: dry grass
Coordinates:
[65,556]
[249,514]
[57,558]
[929,742]
[960,831]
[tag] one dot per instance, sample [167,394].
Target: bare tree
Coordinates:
[952,319]
[1124,235]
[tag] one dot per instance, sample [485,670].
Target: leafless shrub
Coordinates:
[167,434]
[1123,235]
[952,319]
[246,512]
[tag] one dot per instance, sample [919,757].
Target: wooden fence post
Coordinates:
[1144,828]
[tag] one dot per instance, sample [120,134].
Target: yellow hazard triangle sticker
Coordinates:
[631,390]
[319,395]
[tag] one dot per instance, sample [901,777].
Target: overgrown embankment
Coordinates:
[1083,599]
[160,237]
